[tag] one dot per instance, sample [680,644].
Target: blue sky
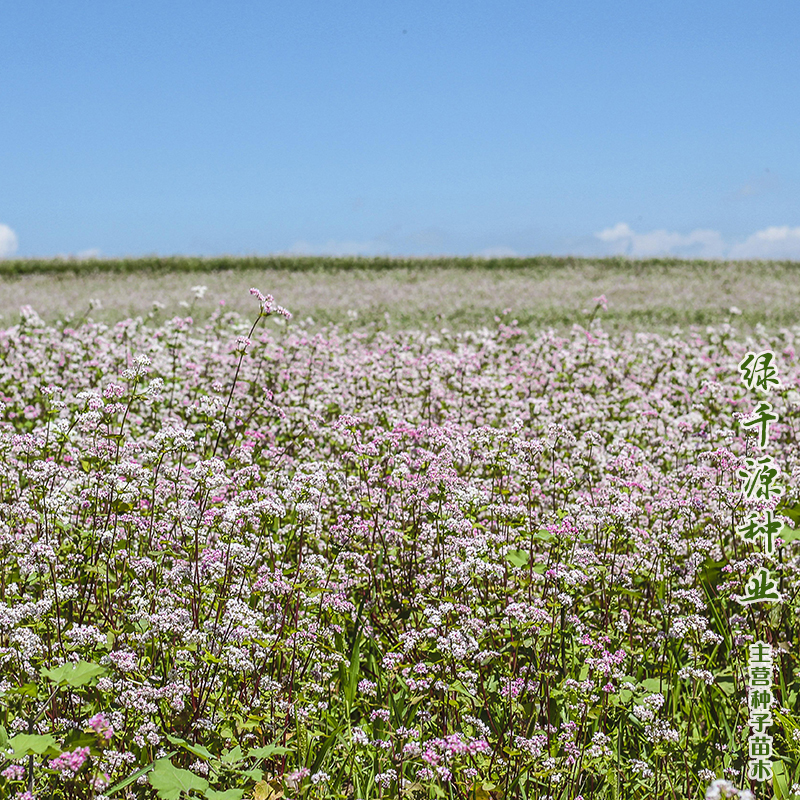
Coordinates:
[404,128]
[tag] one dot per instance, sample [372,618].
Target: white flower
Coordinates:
[721,788]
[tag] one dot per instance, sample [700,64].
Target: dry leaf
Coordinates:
[265,791]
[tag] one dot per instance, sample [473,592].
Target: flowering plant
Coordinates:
[277,563]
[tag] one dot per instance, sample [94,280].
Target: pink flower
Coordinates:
[268,305]
[294,779]
[68,764]
[100,725]
[16,772]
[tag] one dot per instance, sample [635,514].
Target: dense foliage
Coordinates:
[249,561]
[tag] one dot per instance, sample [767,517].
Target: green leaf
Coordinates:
[28,689]
[789,534]
[458,686]
[787,722]
[229,794]
[75,675]
[251,723]
[233,756]
[3,738]
[170,782]
[353,672]
[323,750]
[26,744]
[195,749]
[793,512]
[725,683]
[653,685]
[78,738]
[117,787]
[518,558]
[779,782]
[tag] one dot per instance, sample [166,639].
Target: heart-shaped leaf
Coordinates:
[789,534]
[518,558]
[268,750]
[26,744]
[170,782]
[233,756]
[75,675]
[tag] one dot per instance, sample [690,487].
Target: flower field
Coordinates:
[245,560]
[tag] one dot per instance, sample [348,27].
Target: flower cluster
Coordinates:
[333,563]
[68,764]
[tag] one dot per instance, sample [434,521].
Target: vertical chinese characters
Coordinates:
[760,483]
[759,701]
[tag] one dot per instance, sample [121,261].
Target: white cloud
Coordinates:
[620,231]
[334,248]
[777,242]
[8,241]
[699,243]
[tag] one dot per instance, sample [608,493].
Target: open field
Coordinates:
[241,560]
[653,295]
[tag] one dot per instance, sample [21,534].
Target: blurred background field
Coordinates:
[459,293]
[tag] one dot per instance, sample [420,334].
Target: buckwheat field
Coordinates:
[253,556]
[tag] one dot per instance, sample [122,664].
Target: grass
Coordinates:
[458,293]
